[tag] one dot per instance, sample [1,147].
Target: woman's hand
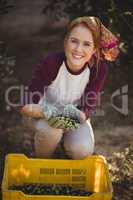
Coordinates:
[49,110]
[73,112]
[32,110]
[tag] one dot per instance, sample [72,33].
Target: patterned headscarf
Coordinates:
[108,43]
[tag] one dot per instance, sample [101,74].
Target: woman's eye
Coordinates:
[73,41]
[86,44]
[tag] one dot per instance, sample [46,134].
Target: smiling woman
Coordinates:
[79,47]
[67,84]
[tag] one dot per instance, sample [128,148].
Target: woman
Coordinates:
[71,79]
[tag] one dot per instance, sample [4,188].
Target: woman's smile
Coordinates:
[77,56]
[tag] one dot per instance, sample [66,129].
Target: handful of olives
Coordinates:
[42,189]
[65,123]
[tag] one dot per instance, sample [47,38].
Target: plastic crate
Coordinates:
[90,174]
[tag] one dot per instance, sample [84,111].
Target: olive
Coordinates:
[64,122]
[42,189]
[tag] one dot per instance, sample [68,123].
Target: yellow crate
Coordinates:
[90,174]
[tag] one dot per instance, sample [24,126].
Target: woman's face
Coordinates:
[79,47]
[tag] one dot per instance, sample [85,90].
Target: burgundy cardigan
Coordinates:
[47,70]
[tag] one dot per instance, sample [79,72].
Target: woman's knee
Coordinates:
[78,151]
[45,143]
[80,143]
